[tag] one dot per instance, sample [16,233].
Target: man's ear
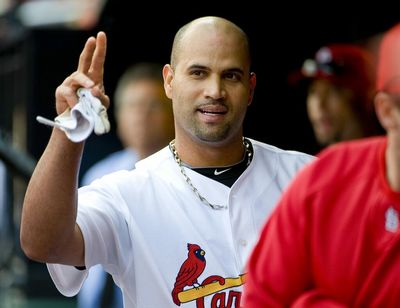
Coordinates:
[252,83]
[384,107]
[168,75]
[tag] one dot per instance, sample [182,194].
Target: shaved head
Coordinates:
[209,81]
[194,29]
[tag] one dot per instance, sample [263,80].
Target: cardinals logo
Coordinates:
[188,275]
[190,270]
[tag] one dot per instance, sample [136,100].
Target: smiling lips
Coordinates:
[212,114]
[217,109]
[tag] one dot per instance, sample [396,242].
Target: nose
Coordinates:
[214,88]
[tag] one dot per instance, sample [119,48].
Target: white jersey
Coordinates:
[146,225]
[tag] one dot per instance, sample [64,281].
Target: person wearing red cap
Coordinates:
[334,238]
[340,93]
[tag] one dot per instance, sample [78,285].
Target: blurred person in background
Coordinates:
[334,237]
[145,124]
[340,89]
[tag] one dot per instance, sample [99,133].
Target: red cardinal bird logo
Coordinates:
[190,270]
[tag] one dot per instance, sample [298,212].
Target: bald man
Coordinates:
[177,229]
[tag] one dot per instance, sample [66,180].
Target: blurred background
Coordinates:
[40,42]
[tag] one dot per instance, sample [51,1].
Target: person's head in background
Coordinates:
[142,110]
[340,90]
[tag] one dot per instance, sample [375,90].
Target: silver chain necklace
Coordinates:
[189,181]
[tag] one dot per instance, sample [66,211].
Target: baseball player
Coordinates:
[176,230]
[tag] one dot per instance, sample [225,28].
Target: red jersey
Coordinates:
[334,239]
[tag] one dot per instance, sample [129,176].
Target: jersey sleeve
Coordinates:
[102,218]
[67,279]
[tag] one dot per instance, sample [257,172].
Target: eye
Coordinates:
[232,76]
[198,73]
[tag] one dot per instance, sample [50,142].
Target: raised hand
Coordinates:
[89,74]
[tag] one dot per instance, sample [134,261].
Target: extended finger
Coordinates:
[85,58]
[96,69]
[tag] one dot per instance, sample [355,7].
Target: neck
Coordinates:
[209,154]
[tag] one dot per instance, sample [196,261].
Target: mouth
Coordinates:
[213,110]
[212,114]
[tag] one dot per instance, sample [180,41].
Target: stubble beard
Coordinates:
[211,133]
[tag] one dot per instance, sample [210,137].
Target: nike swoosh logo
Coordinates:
[216,172]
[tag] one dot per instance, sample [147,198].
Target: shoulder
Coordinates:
[280,156]
[155,162]
[274,150]
[346,156]
[341,161]
[353,148]
[156,167]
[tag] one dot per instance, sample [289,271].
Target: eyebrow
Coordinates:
[230,70]
[234,70]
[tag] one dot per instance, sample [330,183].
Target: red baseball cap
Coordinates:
[388,71]
[346,65]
